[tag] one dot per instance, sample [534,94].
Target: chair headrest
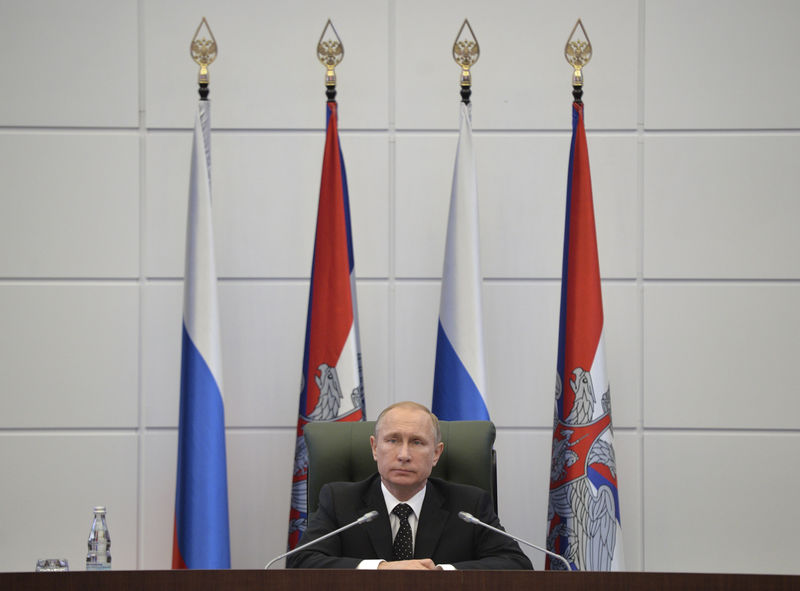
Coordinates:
[340,451]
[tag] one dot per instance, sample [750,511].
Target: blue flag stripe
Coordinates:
[201,508]
[455,395]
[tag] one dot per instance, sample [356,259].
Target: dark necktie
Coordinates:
[402,549]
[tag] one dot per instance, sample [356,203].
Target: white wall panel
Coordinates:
[265,193]
[51,483]
[622,325]
[159,466]
[521,80]
[718,502]
[259,489]
[167,161]
[692,154]
[523,484]
[260,484]
[617,210]
[266,196]
[424,165]
[523,474]
[262,352]
[266,74]
[69,355]
[366,160]
[373,317]
[69,64]
[162,322]
[710,351]
[628,454]
[522,186]
[263,335]
[416,321]
[521,339]
[70,205]
[263,326]
[721,206]
[718,64]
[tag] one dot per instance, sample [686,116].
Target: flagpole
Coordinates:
[201,536]
[584,522]
[331,386]
[459,375]
[330,53]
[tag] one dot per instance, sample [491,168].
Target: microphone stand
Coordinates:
[363,519]
[475,521]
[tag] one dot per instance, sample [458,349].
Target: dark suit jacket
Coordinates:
[441,535]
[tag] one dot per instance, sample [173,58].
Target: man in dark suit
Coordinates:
[426,532]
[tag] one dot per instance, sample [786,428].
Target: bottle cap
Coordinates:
[100,509]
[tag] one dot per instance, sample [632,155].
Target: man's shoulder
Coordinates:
[350,487]
[449,488]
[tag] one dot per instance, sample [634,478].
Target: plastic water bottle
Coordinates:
[99,555]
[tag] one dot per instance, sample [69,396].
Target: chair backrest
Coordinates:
[340,452]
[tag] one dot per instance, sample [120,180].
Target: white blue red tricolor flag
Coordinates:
[459,378]
[201,538]
[583,515]
[331,388]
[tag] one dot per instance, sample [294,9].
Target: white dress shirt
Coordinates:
[415,503]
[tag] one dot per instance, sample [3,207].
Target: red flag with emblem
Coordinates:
[331,386]
[583,514]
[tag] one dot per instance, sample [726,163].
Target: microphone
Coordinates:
[366,517]
[475,521]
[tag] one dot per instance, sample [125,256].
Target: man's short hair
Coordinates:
[437,432]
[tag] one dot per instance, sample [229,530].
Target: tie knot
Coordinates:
[402,511]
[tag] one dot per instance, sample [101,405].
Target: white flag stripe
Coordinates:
[599,372]
[599,375]
[200,305]
[347,370]
[461,306]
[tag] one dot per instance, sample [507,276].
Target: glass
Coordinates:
[52,565]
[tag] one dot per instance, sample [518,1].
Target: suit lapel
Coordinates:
[431,523]
[379,530]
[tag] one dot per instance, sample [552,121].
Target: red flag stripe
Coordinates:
[332,310]
[584,305]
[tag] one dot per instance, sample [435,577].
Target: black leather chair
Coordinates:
[340,452]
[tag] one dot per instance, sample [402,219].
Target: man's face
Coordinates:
[405,449]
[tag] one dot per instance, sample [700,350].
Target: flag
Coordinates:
[331,387]
[583,514]
[201,538]
[459,377]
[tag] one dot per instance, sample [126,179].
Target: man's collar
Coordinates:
[414,502]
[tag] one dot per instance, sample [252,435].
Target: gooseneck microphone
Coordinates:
[366,517]
[475,521]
